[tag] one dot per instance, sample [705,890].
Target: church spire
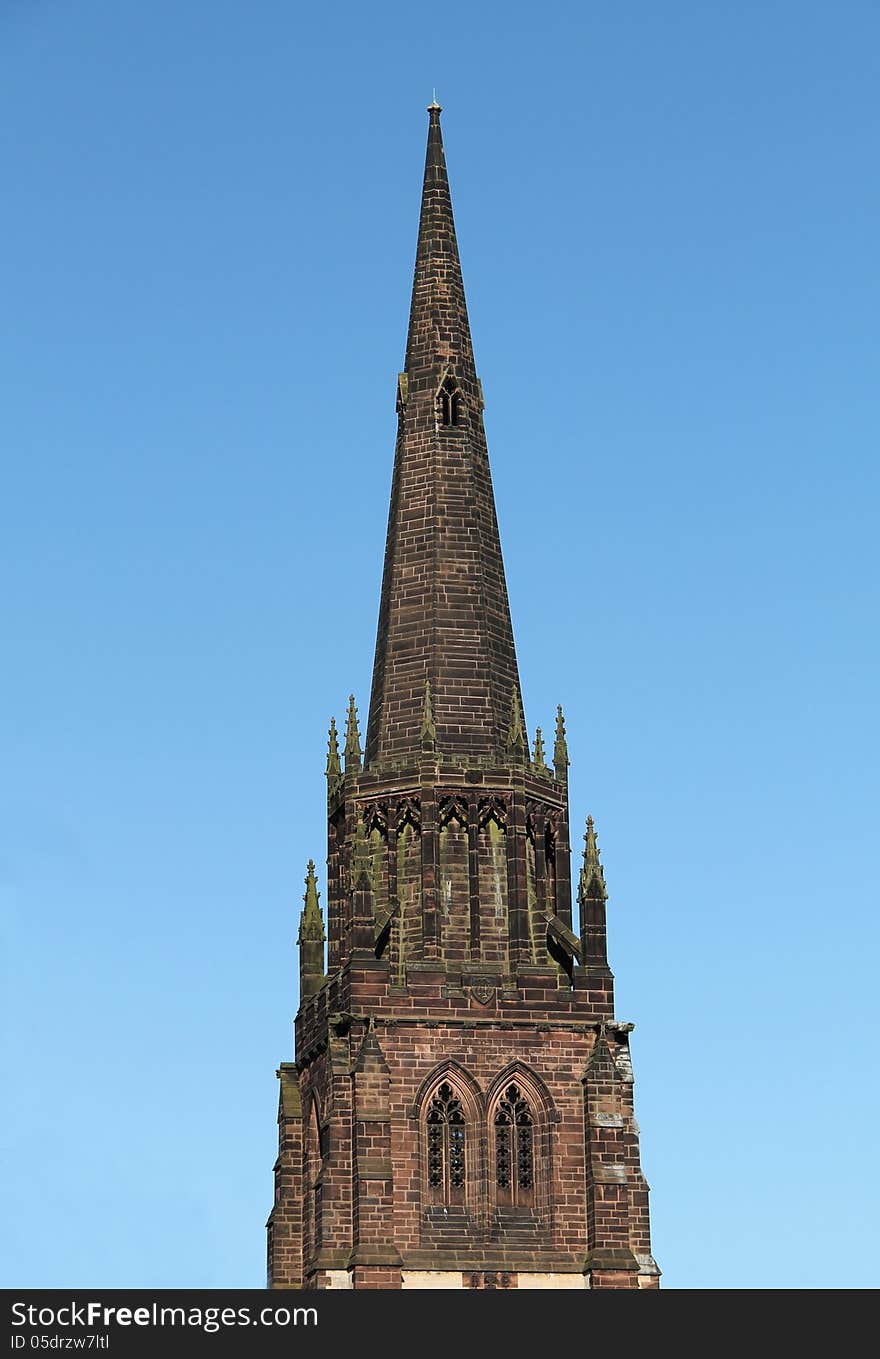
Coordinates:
[444,617]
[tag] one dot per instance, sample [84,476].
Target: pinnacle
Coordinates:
[560,747]
[352,750]
[311,923]
[334,768]
[516,736]
[539,760]
[592,879]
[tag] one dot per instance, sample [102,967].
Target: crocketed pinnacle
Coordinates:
[334,768]
[539,760]
[592,879]
[560,747]
[311,924]
[443,616]
[516,731]
[352,739]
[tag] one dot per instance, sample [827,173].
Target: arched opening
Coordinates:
[450,1113]
[446,1150]
[519,1124]
[449,402]
[514,1150]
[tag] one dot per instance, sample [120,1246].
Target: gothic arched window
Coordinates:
[514,1149]
[450,400]
[446,1159]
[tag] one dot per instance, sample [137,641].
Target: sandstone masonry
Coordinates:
[460,1112]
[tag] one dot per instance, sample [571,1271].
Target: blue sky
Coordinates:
[668,221]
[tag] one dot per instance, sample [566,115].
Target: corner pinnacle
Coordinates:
[592,879]
[352,750]
[560,748]
[311,924]
[334,768]
[538,759]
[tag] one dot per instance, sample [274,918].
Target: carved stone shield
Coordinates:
[483,990]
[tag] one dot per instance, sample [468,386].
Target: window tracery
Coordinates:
[514,1148]
[446,1146]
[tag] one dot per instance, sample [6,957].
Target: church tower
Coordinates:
[460,1111]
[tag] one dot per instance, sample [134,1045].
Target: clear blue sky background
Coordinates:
[668,220]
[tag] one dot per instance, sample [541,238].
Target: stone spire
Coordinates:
[444,616]
[438,319]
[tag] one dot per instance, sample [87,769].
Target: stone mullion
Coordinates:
[474,876]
